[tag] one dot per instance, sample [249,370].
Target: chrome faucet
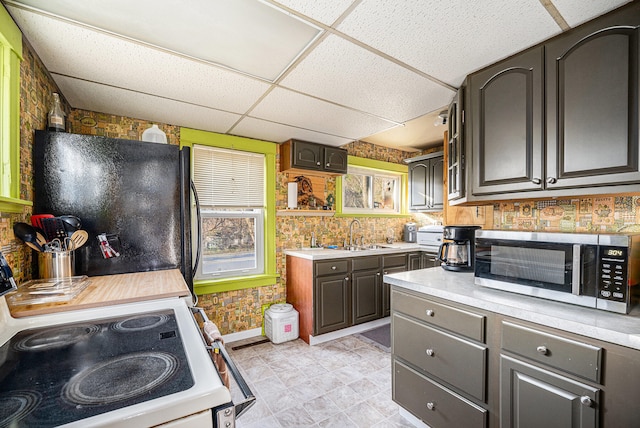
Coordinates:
[355,220]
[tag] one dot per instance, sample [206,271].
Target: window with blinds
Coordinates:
[231,191]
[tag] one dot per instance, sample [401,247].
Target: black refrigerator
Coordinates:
[136,193]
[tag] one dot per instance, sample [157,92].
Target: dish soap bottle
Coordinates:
[56,115]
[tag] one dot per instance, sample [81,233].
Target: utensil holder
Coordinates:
[56,264]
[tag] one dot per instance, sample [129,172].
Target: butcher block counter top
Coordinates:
[115,289]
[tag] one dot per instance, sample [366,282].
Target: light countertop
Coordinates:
[328,253]
[459,287]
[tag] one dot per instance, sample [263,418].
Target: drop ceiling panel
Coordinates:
[420,133]
[350,75]
[100,98]
[246,35]
[325,12]
[95,56]
[449,39]
[263,130]
[301,111]
[576,12]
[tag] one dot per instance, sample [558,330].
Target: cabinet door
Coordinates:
[592,104]
[335,159]
[414,261]
[306,155]
[455,148]
[366,296]
[429,260]
[332,302]
[386,290]
[506,125]
[418,185]
[534,397]
[436,183]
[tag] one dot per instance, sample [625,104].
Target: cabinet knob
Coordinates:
[429,312]
[585,400]
[542,350]
[536,180]
[328,165]
[431,405]
[318,163]
[552,180]
[346,278]
[378,273]
[334,267]
[430,352]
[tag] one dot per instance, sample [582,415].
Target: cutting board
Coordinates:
[115,289]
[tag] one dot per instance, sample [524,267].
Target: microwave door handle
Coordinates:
[577,270]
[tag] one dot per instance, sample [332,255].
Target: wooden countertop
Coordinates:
[115,289]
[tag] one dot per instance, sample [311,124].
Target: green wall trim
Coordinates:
[376,164]
[233,284]
[189,137]
[8,205]
[10,34]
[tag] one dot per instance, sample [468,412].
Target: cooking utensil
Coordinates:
[71,223]
[78,239]
[36,219]
[54,228]
[27,234]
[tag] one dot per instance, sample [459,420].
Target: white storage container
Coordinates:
[281,323]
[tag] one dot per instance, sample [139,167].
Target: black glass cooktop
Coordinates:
[55,375]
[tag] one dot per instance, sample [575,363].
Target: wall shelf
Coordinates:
[319,213]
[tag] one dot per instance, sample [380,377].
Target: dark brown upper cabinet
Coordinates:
[559,119]
[506,105]
[426,182]
[455,147]
[592,103]
[307,156]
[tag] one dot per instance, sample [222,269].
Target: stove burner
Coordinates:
[15,405]
[58,337]
[120,378]
[142,322]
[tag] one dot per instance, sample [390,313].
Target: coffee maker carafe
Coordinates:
[457,250]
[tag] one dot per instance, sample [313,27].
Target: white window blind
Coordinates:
[228,178]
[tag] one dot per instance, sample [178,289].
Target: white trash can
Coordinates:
[281,323]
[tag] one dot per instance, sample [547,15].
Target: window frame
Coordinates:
[382,168]
[10,58]
[189,137]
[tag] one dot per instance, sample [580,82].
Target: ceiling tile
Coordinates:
[288,107]
[91,55]
[263,130]
[246,35]
[100,98]
[576,12]
[347,74]
[325,12]
[449,39]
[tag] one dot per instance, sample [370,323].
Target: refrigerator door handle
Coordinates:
[199,234]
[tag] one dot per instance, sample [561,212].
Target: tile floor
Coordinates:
[343,383]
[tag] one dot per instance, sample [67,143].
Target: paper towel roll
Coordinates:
[292,195]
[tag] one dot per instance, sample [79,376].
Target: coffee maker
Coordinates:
[458,248]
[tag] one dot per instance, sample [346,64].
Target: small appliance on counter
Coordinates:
[410,232]
[457,252]
[430,237]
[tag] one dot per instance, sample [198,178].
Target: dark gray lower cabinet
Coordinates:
[366,288]
[332,303]
[534,397]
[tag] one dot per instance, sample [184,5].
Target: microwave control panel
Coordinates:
[612,284]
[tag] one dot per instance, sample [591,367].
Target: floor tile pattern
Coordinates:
[343,383]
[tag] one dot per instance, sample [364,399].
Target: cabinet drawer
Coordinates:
[332,267]
[459,321]
[456,361]
[394,260]
[365,263]
[433,403]
[578,358]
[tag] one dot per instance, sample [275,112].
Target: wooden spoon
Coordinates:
[78,239]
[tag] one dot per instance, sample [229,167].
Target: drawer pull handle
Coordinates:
[431,405]
[429,312]
[542,350]
[586,401]
[430,352]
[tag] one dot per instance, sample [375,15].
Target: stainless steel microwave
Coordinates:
[597,271]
